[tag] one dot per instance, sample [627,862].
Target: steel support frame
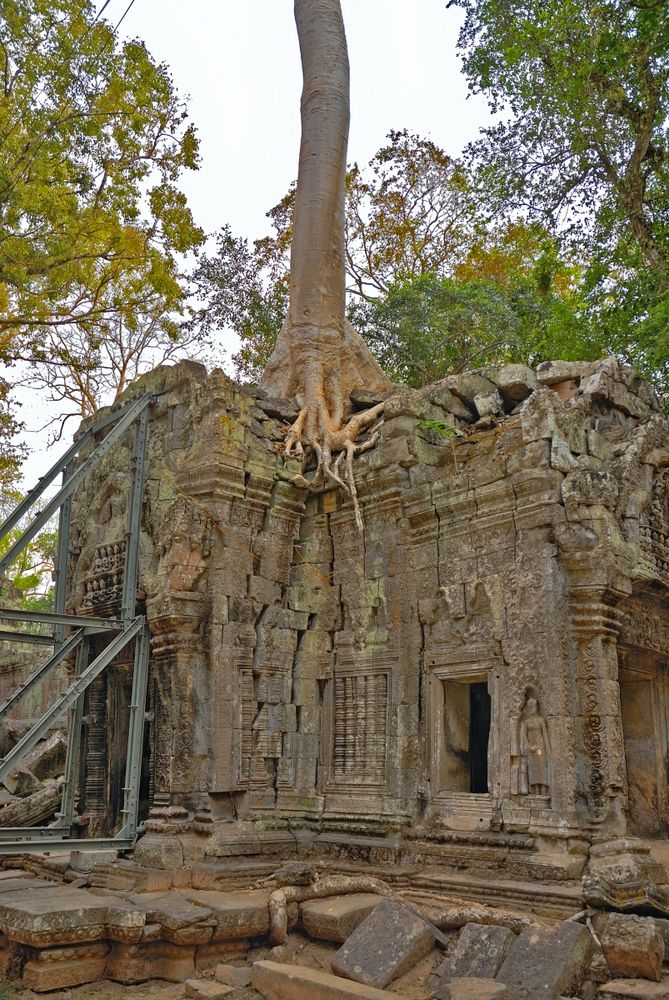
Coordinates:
[131,627]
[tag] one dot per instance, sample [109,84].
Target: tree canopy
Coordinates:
[583,91]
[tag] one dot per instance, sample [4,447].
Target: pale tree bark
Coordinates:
[319,358]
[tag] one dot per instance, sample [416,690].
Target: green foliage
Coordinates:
[583,145]
[408,212]
[430,327]
[439,428]
[27,582]
[93,138]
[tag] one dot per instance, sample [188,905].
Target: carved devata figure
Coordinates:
[534,750]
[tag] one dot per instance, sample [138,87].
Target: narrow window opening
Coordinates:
[479,735]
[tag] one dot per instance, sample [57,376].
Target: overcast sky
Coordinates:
[238,62]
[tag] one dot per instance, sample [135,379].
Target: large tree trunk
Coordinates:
[319,358]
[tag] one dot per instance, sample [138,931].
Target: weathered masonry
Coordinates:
[480,677]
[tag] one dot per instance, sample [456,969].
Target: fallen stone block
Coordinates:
[47,759]
[232,975]
[336,917]
[385,945]
[474,989]
[634,989]
[479,953]
[515,382]
[35,808]
[292,982]
[633,946]
[547,963]
[206,989]
[21,782]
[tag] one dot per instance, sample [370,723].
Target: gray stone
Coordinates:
[543,964]
[336,917]
[291,982]
[479,952]
[489,404]
[232,975]
[515,382]
[385,945]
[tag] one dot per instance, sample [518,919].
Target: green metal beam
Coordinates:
[66,700]
[41,672]
[131,413]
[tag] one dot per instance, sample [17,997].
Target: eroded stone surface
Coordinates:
[384,946]
[633,946]
[473,989]
[547,963]
[336,917]
[479,952]
[289,982]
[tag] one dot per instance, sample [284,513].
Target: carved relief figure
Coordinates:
[534,746]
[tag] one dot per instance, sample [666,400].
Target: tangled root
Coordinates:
[332,445]
[331,885]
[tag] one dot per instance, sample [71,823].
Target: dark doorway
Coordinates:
[479,734]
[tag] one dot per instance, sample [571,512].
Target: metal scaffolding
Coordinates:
[72,634]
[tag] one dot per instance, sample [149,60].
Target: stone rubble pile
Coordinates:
[55,936]
[30,794]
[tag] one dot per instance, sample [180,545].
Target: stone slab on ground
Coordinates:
[385,945]
[169,909]
[239,914]
[474,988]
[633,946]
[206,989]
[63,915]
[479,953]
[634,989]
[336,917]
[291,982]
[543,964]
[233,975]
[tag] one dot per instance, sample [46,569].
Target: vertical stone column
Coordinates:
[601,765]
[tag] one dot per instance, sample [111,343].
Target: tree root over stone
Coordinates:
[330,885]
[331,446]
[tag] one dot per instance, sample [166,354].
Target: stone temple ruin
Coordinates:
[468,698]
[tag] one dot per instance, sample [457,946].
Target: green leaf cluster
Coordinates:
[93,139]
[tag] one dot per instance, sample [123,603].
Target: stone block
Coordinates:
[336,917]
[58,968]
[633,946]
[479,952]
[206,989]
[515,382]
[473,989]
[634,989]
[293,982]
[232,975]
[544,963]
[385,945]
[238,914]
[155,960]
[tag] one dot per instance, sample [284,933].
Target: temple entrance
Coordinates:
[479,737]
[643,676]
[645,720]
[466,715]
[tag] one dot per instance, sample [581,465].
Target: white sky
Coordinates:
[238,60]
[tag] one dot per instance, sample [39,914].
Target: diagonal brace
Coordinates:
[68,488]
[66,700]
[42,671]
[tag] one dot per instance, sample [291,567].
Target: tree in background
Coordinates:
[93,140]
[584,145]
[431,288]
[408,213]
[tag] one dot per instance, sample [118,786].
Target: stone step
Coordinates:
[292,982]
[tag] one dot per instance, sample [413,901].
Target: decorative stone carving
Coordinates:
[534,756]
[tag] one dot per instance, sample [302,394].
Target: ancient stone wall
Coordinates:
[447,674]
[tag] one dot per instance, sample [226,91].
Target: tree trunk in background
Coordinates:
[319,358]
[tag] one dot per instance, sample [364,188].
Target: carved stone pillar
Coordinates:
[596,622]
